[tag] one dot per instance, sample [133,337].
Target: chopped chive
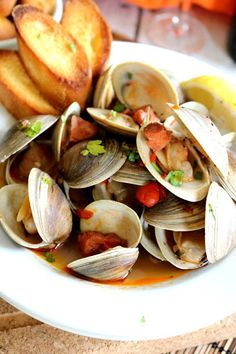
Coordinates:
[157,168]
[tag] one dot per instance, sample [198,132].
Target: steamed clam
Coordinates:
[110,217]
[35,210]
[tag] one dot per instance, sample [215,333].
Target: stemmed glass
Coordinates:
[178,30]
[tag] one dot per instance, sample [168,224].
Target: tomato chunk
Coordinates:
[81,129]
[93,242]
[144,113]
[84,214]
[150,194]
[157,136]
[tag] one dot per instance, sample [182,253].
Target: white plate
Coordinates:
[191,302]
[12,43]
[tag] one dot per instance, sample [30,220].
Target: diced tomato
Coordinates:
[81,129]
[93,242]
[150,194]
[157,136]
[144,113]
[153,157]
[84,214]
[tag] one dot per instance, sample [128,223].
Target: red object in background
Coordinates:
[225,6]
[150,194]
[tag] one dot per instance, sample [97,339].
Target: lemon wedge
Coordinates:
[218,95]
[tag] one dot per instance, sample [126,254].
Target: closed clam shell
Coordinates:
[176,214]
[110,217]
[204,135]
[50,209]
[149,244]
[17,138]
[137,84]
[192,191]
[104,92]
[81,171]
[166,247]
[116,122]
[61,127]
[220,226]
[11,199]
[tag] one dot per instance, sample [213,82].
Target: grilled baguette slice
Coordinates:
[47,6]
[52,58]
[6,7]
[18,93]
[83,20]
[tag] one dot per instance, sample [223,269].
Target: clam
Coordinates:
[176,214]
[149,243]
[115,263]
[104,92]
[193,249]
[119,123]
[43,209]
[90,162]
[193,190]
[229,182]
[137,84]
[61,127]
[23,132]
[132,173]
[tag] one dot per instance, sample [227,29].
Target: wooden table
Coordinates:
[21,334]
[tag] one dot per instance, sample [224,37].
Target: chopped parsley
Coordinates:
[198,175]
[142,319]
[211,210]
[30,129]
[129,75]
[46,180]
[49,257]
[175,178]
[157,168]
[130,152]
[72,47]
[114,114]
[119,107]
[94,147]
[63,118]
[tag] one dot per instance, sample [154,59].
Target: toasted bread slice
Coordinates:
[18,93]
[6,7]
[47,6]
[52,58]
[7,28]
[83,20]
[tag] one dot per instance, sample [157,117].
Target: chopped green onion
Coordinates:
[157,168]
[49,257]
[175,178]
[119,107]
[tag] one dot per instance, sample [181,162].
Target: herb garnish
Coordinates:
[129,75]
[157,168]
[142,319]
[130,152]
[198,175]
[114,114]
[63,118]
[49,257]
[175,178]
[119,107]
[72,47]
[30,129]
[211,210]
[46,180]
[94,148]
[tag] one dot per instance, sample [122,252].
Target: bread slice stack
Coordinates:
[18,93]
[53,59]
[84,21]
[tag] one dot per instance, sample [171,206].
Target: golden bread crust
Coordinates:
[6,7]
[52,58]
[47,6]
[18,93]
[83,20]
[7,28]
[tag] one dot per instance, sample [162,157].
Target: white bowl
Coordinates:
[12,43]
[167,309]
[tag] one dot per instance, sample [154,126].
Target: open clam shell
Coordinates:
[149,244]
[229,182]
[116,122]
[192,191]
[166,244]
[220,226]
[110,217]
[81,171]
[204,135]
[60,129]
[18,137]
[132,173]
[176,214]
[104,92]
[137,84]
[47,203]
